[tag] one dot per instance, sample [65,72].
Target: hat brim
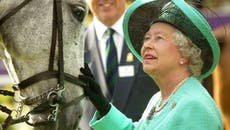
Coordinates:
[142,13]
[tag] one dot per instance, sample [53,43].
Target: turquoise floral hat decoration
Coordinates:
[186,18]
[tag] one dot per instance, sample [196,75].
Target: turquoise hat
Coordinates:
[142,13]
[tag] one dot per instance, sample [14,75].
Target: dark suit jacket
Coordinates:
[131,94]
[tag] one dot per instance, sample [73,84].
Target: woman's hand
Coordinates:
[93,91]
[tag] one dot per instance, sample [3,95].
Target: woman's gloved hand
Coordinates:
[93,91]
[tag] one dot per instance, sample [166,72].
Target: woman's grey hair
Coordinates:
[190,50]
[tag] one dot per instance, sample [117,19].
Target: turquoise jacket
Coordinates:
[190,108]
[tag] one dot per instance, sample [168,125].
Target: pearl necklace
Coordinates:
[160,105]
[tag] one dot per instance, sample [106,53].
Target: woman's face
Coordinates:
[159,53]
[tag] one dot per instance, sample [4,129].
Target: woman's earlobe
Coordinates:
[181,62]
[184,60]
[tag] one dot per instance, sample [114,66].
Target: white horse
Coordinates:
[25,47]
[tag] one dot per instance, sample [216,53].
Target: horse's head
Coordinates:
[25,48]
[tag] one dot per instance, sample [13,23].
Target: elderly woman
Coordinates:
[177,49]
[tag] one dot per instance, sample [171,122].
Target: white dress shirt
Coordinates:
[118,37]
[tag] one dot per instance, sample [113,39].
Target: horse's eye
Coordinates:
[79,12]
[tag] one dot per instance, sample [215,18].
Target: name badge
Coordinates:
[126,71]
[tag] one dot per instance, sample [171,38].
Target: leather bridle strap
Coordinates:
[58,25]
[60,42]
[36,78]
[54,38]
[14,11]
[48,75]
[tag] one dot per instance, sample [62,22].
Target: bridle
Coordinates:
[53,97]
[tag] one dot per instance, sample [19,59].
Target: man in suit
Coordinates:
[133,88]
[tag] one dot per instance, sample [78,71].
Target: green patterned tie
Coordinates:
[111,61]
